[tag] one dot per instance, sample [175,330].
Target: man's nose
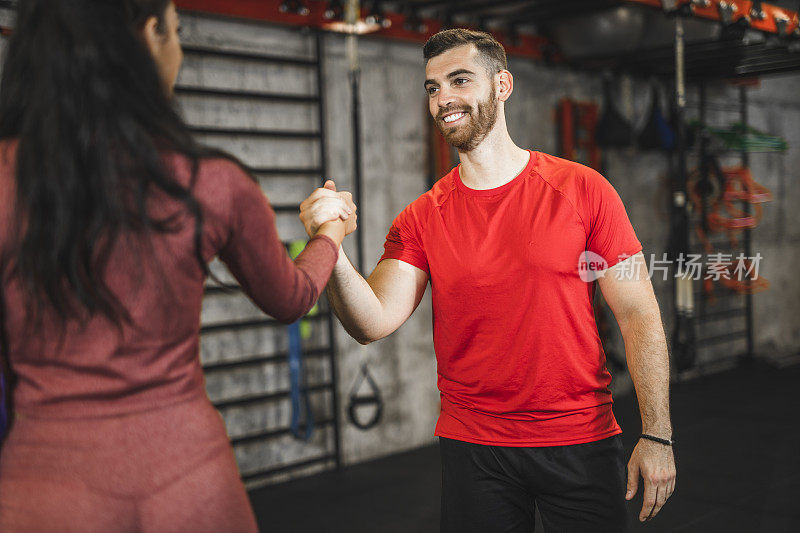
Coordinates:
[445,98]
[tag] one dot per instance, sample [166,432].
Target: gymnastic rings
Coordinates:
[373,400]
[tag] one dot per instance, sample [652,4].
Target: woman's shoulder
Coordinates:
[219,184]
[213,171]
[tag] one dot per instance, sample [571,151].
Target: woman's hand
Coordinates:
[323,205]
[351,222]
[327,205]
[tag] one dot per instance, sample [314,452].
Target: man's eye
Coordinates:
[432,90]
[461,81]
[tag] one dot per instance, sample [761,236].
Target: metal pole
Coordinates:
[704,173]
[323,165]
[683,336]
[355,83]
[747,244]
[352,10]
[680,197]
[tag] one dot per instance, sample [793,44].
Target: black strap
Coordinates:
[374,400]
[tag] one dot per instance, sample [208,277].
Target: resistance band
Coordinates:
[298,394]
[732,185]
[297,390]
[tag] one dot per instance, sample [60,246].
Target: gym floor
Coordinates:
[737,455]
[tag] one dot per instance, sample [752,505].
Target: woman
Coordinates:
[109,214]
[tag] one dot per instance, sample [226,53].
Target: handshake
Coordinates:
[326,205]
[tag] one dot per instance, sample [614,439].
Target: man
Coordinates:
[526,410]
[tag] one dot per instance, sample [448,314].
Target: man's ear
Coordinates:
[151,36]
[505,85]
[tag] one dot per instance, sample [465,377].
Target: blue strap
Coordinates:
[665,132]
[297,393]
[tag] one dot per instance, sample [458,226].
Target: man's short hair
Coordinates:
[491,52]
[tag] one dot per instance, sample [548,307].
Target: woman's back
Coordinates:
[75,370]
[115,419]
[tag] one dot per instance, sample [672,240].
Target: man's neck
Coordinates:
[494,162]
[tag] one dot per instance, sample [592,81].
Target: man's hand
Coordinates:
[656,465]
[350,223]
[325,205]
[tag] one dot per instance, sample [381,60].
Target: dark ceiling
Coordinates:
[734,50]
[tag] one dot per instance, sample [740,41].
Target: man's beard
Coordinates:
[467,137]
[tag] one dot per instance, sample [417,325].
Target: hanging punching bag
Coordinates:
[613,130]
[657,133]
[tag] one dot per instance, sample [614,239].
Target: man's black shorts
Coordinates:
[576,488]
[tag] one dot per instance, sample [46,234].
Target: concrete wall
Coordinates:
[775,108]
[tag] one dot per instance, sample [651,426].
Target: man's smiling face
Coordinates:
[461,96]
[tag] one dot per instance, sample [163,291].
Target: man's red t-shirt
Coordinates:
[520,362]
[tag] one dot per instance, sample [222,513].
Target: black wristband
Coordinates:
[666,442]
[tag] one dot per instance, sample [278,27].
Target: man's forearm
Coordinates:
[354,302]
[648,364]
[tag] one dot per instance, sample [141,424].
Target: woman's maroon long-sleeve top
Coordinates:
[99,369]
[113,429]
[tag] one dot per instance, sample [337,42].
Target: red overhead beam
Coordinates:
[711,9]
[525,45]
[266,10]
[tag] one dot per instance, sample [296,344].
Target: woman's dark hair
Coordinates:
[82,95]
